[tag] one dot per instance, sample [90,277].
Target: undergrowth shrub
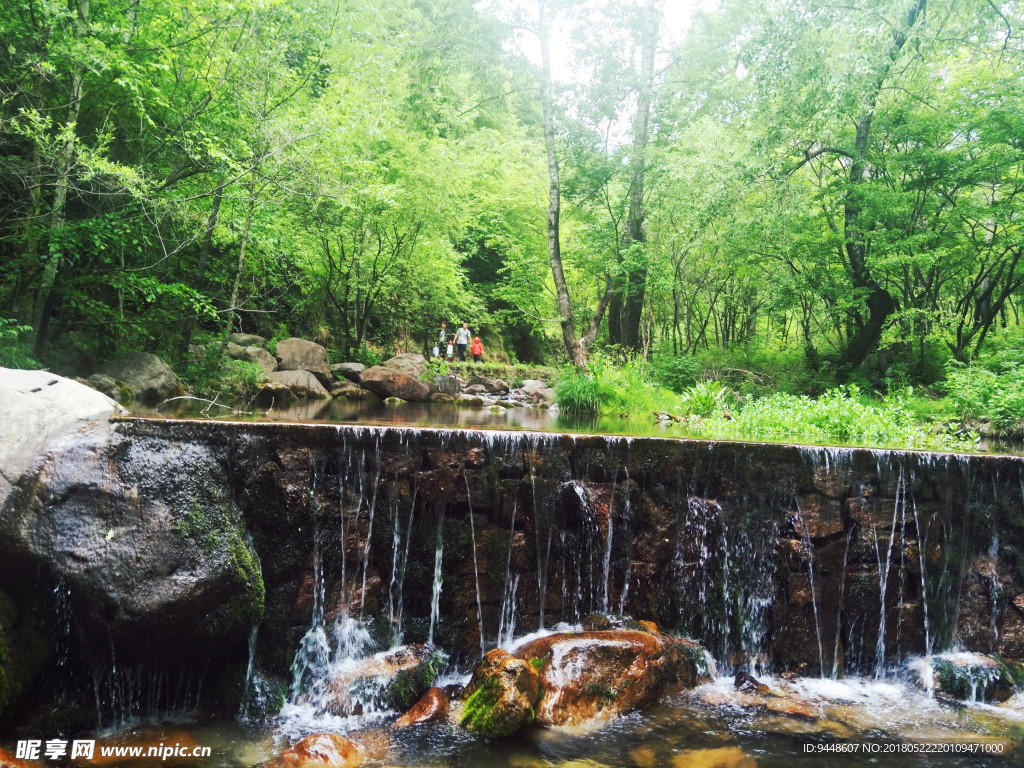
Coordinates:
[705,398]
[979,394]
[15,349]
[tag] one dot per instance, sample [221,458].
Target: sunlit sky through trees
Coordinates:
[565,64]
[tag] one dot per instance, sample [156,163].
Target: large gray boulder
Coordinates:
[489,385]
[35,408]
[145,537]
[387,382]
[301,355]
[350,371]
[408,363]
[260,357]
[449,385]
[303,384]
[112,388]
[150,378]
[142,533]
[534,385]
[398,377]
[247,340]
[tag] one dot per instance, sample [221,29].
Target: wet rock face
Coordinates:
[968,676]
[601,674]
[146,539]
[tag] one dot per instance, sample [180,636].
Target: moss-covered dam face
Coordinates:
[148,563]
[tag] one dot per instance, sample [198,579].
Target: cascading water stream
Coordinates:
[605,597]
[476,568]
[627,514]
[435,599]
[506,623]
[883,576]
[369,529]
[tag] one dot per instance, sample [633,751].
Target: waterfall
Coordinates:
[476,568]
[435,600]
[506,623]
[883,576]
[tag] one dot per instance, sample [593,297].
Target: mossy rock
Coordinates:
[410,685]
[502,697]
[973,677]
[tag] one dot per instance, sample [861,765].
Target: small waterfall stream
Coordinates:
[833,564]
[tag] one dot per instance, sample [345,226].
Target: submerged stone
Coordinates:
[321,750]
[717,757]
[968,676]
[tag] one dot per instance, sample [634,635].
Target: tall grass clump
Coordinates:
[577,392]
[613,390]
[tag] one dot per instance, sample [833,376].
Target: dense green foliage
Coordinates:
[796,194]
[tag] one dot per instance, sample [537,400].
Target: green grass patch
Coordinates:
[840,415]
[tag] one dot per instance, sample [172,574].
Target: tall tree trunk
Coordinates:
[554,195]
[615,310]
[578,349]
[635,277]
[60,197]
[866,331]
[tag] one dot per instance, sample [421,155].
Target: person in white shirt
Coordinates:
[462,340]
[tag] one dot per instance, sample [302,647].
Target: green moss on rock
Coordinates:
[410,685]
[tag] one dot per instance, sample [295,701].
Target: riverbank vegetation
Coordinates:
[784,198]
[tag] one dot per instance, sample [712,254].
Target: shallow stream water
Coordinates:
[811,721]
[446,415]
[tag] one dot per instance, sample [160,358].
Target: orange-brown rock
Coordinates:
[432,707]
[502,695]
[588,675]
[321,750]
[7,760]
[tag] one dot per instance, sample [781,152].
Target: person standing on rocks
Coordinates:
[462,340]
[477,349]
[442,339]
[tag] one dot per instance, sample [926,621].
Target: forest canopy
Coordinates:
[829,185]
